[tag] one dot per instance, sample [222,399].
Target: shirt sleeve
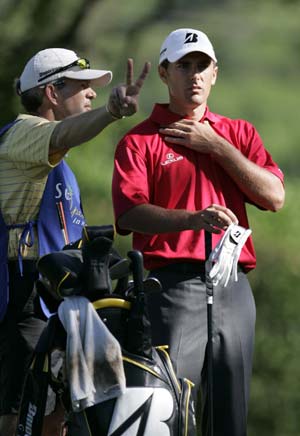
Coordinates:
[252,146]
[28,143]
[130,180]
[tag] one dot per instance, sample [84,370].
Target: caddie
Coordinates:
[39,197]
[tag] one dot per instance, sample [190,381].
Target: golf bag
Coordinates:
[155,401]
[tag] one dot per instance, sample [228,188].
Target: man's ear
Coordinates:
[215,75]
[51,94]
[162,72]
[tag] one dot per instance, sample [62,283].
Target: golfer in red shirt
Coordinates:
[181,172]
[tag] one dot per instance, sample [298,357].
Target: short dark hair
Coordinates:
[32,99]
[165,64]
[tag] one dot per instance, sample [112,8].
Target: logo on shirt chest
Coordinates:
[171,158]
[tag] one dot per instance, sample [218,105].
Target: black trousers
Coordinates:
[179,319]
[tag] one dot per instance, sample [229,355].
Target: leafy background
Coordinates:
[258,47]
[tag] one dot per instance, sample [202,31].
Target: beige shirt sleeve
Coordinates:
[27,145]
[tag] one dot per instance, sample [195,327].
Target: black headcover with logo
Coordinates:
[82,268]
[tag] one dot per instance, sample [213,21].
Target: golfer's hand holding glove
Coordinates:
[223,260]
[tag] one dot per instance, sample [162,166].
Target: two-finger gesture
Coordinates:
[123,100]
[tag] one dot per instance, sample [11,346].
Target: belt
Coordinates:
[183,267]
[29,266]
[187,267]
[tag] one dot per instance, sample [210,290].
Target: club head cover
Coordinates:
[95,275]
[223,260]
[96,250]
[62,272]
[89,233]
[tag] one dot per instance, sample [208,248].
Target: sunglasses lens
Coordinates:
[83,63]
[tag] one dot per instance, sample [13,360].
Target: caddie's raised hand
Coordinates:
[123,100]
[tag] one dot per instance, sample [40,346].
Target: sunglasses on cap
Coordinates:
[82,63]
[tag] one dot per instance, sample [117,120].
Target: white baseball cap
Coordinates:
[183,41]
[54,63]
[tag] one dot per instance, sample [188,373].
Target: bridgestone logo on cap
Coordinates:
[191,37]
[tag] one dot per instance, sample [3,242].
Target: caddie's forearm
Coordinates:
[77,129]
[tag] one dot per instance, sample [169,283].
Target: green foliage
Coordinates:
[257,45]
[275,396]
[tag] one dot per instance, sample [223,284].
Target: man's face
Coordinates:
[189,81]
[73,98]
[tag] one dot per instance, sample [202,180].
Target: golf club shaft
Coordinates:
[209,296]
[62,222]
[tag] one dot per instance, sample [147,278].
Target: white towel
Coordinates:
[93,355]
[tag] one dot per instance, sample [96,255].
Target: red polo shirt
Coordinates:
[149,170]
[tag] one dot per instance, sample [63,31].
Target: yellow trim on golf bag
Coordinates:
[60,283]
[111,302]
[45,366]
[190,386]
[140,365]
[163,348]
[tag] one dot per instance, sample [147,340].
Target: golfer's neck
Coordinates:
[188,111]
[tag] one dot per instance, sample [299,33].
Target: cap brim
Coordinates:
[97,77]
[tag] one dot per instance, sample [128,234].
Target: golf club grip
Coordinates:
[208,244]
[137,267]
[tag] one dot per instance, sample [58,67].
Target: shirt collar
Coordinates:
[210,116]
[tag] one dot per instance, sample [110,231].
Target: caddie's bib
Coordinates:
[61,194]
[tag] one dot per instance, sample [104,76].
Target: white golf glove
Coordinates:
[223,260]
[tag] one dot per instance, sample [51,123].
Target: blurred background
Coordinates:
[257,43]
